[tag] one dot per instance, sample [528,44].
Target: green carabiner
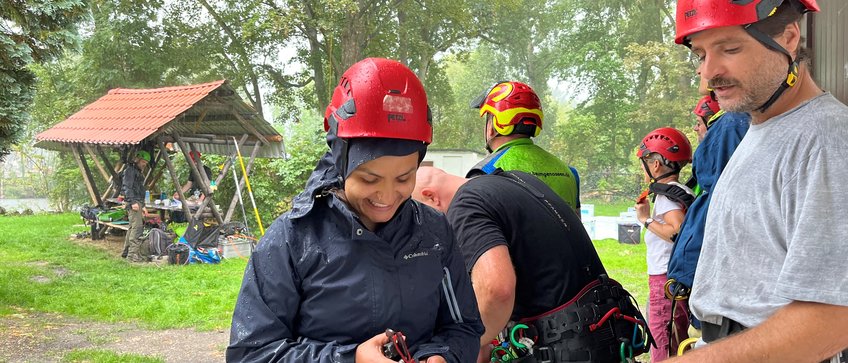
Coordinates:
[512,340]
[624,358]
[504,358]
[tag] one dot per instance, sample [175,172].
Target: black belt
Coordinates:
[711,332]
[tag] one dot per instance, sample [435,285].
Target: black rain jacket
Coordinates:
[320,283]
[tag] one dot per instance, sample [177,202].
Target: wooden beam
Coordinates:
[250,128]
[93,157]
[208,200]
[151,167]
[204,186]
[112,170]
[224,171]
[176,181]
[86,174]
[242,182]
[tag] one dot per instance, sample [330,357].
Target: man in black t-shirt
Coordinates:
[525,248]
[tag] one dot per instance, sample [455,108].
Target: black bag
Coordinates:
[89,213]
[178,253]
[198,234]
[159,240]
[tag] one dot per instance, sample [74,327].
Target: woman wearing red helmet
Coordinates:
[355,256]
[772,269]
[663,153]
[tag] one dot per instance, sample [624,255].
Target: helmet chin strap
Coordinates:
[661,177]
[792,73]
[489,144]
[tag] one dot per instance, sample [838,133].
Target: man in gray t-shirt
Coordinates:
[772,268]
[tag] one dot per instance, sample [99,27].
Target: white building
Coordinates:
[453,161]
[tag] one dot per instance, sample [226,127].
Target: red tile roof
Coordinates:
[127,116]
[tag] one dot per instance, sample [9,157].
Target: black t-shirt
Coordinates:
[195,184]
[552,254]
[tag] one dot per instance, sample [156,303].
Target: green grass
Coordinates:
[626,264]
[105,356]
[87,282]
[609,209]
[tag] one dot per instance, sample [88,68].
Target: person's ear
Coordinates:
[430,197]
[429,194]
[791,38]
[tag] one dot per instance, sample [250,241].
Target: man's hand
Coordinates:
[372,350]
[485,355]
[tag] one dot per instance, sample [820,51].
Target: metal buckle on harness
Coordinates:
[544,354]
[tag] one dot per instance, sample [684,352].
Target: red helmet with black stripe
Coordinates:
[669,142]
[706,107]
[380,98]
[697,15]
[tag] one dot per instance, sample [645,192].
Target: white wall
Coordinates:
[453,161]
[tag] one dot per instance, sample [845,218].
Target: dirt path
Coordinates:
[41,337]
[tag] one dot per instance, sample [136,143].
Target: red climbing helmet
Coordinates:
[706,107]
[672,144]
[515,108]
[697,15]
[380,98]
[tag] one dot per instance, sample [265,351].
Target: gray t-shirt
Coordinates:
[777,228]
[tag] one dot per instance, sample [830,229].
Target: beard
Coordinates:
[757,88]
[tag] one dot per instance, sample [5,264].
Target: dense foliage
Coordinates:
[607,70]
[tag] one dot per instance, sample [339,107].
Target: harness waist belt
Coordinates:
[711,332]
[597,325]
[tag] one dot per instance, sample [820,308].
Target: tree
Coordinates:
[30,32]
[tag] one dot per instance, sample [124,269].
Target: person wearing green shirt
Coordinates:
[513,116]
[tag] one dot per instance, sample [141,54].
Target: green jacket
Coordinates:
[523,155]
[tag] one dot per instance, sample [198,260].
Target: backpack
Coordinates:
[178,253]
[673,192]
[89,213]
[159,240]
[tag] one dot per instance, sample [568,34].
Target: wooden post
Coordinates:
[86,174]
[149,177]
[114,179]
[231,209]
[174,179]
[90,152]
[197,177]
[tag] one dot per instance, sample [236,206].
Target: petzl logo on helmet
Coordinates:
[397,117]
[690,13]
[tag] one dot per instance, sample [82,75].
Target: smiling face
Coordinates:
[376,189]
[742,72]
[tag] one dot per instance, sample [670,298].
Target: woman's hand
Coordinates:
[643,210]
[372,350]
[434,359]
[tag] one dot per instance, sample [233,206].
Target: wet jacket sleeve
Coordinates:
[131,187]
[269,300]
[458,326]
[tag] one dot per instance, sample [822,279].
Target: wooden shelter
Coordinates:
[209,118]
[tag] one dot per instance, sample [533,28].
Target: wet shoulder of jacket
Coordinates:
[435,224]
